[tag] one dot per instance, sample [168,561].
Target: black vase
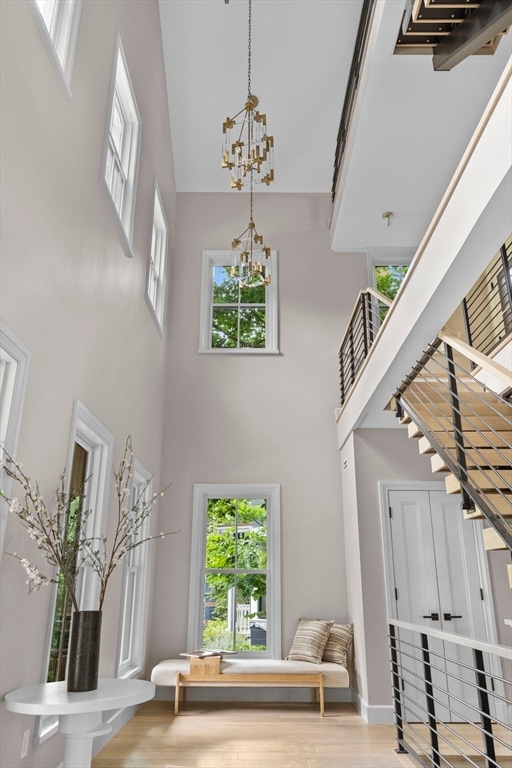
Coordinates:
[84,651]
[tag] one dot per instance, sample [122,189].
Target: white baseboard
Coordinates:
[374,714]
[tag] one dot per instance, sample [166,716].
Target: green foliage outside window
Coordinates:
[236,562]
[388,279]
[238,316]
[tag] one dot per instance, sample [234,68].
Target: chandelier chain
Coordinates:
[249,51]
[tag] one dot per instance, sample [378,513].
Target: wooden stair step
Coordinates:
[424,445]
[487,480]
[413,430]
[437,464]
[437,422]
[438,388]
[472,440]
[502,504]
[492,539]
[485,458]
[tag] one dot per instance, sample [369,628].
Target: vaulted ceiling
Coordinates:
[410,127]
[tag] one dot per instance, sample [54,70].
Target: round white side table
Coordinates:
[80,714]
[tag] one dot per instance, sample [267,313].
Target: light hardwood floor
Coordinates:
[250,736]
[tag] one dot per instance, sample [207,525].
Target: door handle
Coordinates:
[433,616]
[449,617]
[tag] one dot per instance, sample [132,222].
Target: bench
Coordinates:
[250,673]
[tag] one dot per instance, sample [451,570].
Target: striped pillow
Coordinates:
[309,641]
[338,643]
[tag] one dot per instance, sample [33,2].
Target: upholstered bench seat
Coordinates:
[251,673]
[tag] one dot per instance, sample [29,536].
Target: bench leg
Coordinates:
[321,692]
[177,695]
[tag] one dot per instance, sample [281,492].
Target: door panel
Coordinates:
[437,581]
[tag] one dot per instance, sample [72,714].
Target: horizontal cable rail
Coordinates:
[488,306]
[468,426]
[451,698]
[363,327]
[363,33]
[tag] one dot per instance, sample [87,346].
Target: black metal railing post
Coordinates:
[365,312]
[396,691]
[467,502]
[431,707]
[485,712]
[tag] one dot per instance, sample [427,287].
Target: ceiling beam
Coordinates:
[488,20]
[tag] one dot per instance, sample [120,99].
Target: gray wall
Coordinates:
[368,457]
[71,295]
[260,418]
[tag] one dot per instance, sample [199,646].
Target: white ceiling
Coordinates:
[409,133]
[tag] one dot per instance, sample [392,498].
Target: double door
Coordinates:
[437,584]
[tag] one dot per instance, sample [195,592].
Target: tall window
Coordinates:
[14,363]
[58,24]
[122,147]
[157,261]
[234,319]
[235,596]
[134,598]
[63,606]
[90,458]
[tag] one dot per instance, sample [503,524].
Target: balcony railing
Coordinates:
[365,321]
[488,306]
[360,46]
[451,698]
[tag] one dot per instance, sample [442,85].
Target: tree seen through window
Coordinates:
[235,575]
[238,315]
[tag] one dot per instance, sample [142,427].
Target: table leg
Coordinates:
[79,731]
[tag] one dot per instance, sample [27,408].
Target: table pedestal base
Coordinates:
[79,731]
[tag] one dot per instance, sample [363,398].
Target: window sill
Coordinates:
[244,351]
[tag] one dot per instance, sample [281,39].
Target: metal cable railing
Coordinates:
[468,426]
[363,327]
[361,43]
[450,698]
[488,306]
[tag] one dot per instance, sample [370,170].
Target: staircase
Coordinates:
[466,429]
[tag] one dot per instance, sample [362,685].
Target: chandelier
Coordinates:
[248,152]
[247,148]
[250,256]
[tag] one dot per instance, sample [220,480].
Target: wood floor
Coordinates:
[250,736]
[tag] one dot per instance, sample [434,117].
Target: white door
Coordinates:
[437,584]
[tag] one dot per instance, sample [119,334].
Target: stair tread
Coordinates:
[492,539]
[471,438]
[487,480]
[502,504]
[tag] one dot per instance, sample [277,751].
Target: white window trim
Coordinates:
[97,440]
[203,492]
[122,82]
[63,68]
[14,360]
[157,310]
[137,627]
[218,258]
